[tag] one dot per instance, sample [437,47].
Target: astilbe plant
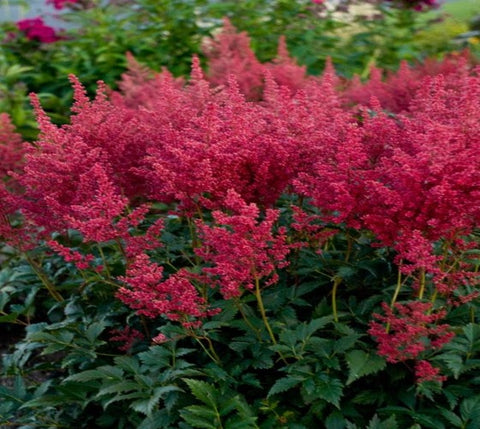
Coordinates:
[412,180]
[11,147]
[194,201]
[243,250]
[396,90]
[229,53]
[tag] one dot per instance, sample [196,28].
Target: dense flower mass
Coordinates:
[36,29]
[408,330]
[11,147]
[396,160]
[242,249]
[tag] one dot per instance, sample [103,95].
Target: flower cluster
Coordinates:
[60,4]
[36,29]
[11,147]
[220,151]
[229,54]
[242,249]
[128,336]
[396,90]
[408,330]
[150,294]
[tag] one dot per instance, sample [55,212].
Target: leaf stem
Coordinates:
[239,306]
[336,282]
[421,291]
[44,279]
[261,307]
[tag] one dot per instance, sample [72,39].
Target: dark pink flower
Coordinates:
[408,330]
[128,336]
[11,147]
[242,248]
[60,4]
[35,29]
[424,371]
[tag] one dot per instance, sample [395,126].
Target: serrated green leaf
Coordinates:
[91,374]
[128,364]
[428,421]
[203,391]
[284,384]
[94,331]
[472,333]
[345,343]
[329,389]
[335,421]
[44,401]
[376,423]
[306,330]
[361,363]
[126,397]
[196,420]
[147,406]
[452,418]
[118,387]
[238,422]
[470,410]
[202,411]
[454,363]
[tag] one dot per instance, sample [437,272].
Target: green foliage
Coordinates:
[321,371]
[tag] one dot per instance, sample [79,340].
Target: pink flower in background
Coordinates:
[60,4]
[35,29]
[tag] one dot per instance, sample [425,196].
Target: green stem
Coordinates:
[239,306]
[397,291]
[210,351]
[45,280]
[104,260]
[336,283]
[349,247]
[421,292]
[122,250]
[261,307]
[398,287]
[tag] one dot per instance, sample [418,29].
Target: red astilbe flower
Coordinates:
[413,329]
[425,188]
[11,147]
[151,295]
[82,262]
[242,248]
[396,90]
[285,70]
[424,371]
[334,180]
[229,53]
[141,86]
[128,336]
[70,180]
[217,141]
